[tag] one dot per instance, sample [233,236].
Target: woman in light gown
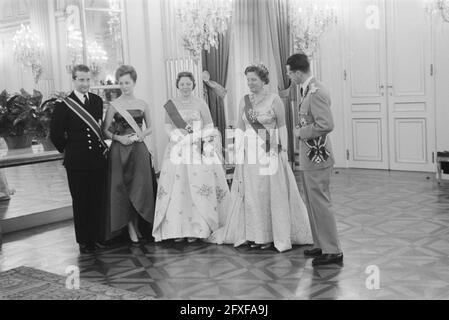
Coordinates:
[267,207]
[132,179]
[193,196]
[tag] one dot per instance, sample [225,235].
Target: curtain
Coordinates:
[216,63]
[250,42]
[280,38]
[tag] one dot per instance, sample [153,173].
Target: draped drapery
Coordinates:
[280,39]
[250,43]
[216,63]
[255,40]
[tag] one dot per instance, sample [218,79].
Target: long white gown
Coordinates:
[192,199]
[266,207]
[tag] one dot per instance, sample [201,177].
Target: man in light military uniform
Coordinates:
[75,130]
[316,160]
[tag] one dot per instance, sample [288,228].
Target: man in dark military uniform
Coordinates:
[77,134]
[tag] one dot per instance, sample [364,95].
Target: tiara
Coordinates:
[260,66]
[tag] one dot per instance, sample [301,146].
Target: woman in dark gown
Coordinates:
[132,178]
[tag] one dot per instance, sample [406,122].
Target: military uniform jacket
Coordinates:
[315,121]
[73,137]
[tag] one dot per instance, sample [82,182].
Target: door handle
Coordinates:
[381,87]
[390,87]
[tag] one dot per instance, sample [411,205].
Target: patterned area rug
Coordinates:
[25,283]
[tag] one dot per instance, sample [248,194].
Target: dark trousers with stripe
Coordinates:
[88,190]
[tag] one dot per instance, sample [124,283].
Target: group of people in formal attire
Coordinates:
[114,187]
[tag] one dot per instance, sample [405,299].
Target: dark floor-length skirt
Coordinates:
[132,186]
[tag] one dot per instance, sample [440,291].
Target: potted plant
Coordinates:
[44,114]
[19,121]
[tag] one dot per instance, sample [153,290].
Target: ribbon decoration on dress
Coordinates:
[133,124]
[257,126]
[88,119]
[176,117]
[178,120]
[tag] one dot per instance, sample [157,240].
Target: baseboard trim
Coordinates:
[36,219]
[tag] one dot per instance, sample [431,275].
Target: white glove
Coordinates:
[176,135]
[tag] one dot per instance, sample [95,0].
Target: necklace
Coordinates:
[254,102]
[252,112]
[186,102]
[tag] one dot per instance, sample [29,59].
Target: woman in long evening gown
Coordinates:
[193,196]
[132,179]
[267,206]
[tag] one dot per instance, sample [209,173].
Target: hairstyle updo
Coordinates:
[124,70]
[185,74]
[260,70]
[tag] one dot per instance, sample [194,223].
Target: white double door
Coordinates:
[389,92]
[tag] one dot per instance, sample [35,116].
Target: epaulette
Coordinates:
[313,88]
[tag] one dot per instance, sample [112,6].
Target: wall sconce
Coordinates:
[309,19]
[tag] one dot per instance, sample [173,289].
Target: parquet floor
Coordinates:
[394,222]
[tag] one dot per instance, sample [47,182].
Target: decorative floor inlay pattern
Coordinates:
[393,222]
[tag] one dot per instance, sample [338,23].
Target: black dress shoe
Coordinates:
[266,246]
[87,249]
[328,259]
[101,245]
[313,252]
[135,243]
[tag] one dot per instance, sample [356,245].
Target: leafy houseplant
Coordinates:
[44,113]
[19,120]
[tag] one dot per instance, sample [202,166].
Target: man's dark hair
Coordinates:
[299,62]
[81,68]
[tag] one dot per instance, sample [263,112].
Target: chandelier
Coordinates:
[75,45]
[97,56]
[114,20]
[28,50]
[309,19]
[433,6]
[75,41]
[202,21]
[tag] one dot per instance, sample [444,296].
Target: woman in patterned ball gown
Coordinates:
[267,207]
[193,195]
[132,178]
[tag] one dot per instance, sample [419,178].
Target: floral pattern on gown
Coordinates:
[192,199]
[266,208]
